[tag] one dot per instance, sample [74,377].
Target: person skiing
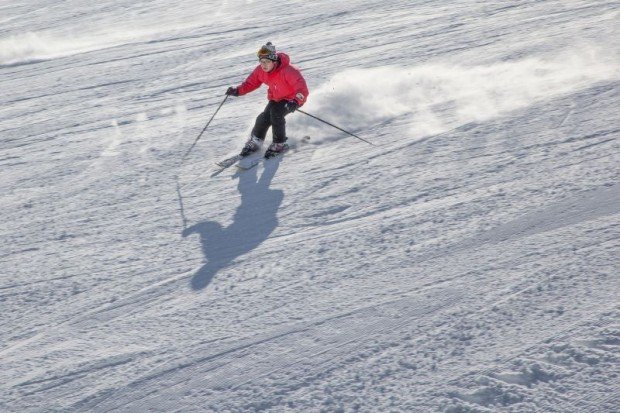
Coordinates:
[287,92]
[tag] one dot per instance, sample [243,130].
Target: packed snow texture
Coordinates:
[466,263]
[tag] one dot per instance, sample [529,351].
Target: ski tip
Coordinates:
[250,165]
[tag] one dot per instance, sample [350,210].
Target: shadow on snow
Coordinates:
[253,222]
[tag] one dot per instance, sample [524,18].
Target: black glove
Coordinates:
[291,106]
[232,91]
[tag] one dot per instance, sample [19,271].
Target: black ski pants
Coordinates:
[273,116]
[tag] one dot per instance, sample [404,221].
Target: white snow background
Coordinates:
[468,262]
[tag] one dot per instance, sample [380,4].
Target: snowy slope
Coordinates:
[466,263]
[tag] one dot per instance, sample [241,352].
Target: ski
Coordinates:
[247,164]
[251,163]
[228,162]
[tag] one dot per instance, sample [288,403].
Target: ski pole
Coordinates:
[203,131]
[352,134]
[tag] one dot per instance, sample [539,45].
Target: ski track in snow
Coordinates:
[467,263]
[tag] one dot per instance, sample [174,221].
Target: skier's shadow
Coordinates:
[254,220]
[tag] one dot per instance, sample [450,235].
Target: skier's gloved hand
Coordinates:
[291,106]
[232,91]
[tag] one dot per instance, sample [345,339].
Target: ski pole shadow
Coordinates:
[255,219]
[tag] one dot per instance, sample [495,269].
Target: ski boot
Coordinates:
[251,146]
[276,149]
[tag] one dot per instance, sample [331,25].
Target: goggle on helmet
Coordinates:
[267,51]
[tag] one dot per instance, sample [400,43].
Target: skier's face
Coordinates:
[267,65]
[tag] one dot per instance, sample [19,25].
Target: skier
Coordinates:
[287,92]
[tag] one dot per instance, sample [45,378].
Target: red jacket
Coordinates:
[285,82]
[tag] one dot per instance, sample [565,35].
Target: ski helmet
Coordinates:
[267,51]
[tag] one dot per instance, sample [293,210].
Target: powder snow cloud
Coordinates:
[437,97]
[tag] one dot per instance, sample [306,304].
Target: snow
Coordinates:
[466,263]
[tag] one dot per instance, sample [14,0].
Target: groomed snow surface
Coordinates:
[466,263]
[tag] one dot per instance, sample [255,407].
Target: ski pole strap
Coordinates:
[334,126]
[205,128]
